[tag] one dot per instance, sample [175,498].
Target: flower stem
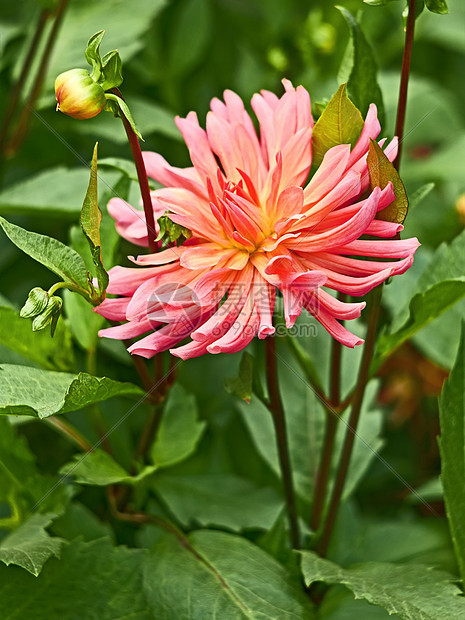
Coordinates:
[70,432]
[353,420]
[16,91]
[402,103]
[277,411]
[142,176]
[23,123]
[330,434]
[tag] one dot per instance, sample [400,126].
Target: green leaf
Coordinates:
[112,70]
[441,285]
[382,172]
[190,37]
[218,500]
[92,54]
[452,446]
[420,194]
[222,576]
[362,85]
[437,6]
[92,580]
[50,353]
[42,393]
[241,386]
[30,546]
[118,106]
[340,123]
[98,468]
[51,253]
[91,218]
[411,591]
[179,431]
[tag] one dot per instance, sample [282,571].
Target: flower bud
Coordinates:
[78,95]
[35,304]
[49,315]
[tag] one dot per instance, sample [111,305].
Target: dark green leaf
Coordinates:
[437,6]
[92,580]
[42,393]
[218,500]
[180,431]
[340,123]
[91,218]
[92,54]
[452,445]
[51,253]
[30,546]
[241,386]
[118,106]
[362,85]
[381,173]
[98,468]
[191,35]
[411,591]
[222,576]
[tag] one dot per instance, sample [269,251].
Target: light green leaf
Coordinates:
[112,70]
[98,468]
[437,6]
[222,576]
[340,123]
[50,353]
[218,500]
[91,218]
[92,580]
[179,432]
[452,445]
[42,393]
[241,386]
[441,285]
[362,85]
[412,591]
[51,253]
[92,54]
[30,546]
[120,107]
[381,173]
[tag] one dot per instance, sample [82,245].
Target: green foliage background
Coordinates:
[213,470]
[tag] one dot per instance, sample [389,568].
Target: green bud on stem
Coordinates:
[78,95]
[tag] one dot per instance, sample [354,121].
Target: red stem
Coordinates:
[402,103]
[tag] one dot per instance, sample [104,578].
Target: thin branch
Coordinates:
[68,431]
[277,411]
[402,103]
[353,421]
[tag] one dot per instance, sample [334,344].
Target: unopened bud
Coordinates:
[78,95]
[460,207]
[49,315]
[35,304]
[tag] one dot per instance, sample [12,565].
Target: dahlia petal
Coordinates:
[328,174]
[338,309]
[113,309]
[129,222]
[205,255]
[371,129]
[198,145]
[190,350]
[337,331]
[380,228]
[126,280]
[128,330]
[160,170]
[160,258]
[394,248]
[290,202]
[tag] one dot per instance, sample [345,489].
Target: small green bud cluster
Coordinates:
[43,309]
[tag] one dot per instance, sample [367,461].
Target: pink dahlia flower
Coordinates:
[258,225]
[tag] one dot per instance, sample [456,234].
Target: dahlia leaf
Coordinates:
[91,218]
[98,468]
[180,431]
[437,6]
[362,84]
[112,70]
[50,353]
[381,173]
[51,253]
[30,546]
[118,106]
[218,500]
[222,576]
[412,591]
[42,393]
[92,54]
[452,447]
[340,123]
[241,386]
[439,287]
[92,579]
